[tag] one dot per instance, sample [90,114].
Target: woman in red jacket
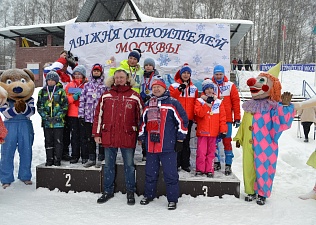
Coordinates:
[115,125]
[186,93]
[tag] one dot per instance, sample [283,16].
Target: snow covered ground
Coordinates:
[23,205]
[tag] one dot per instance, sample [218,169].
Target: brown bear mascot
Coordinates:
[17,111]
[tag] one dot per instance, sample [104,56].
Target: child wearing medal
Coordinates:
[88,101]
[211,122]
[52,105]
[150,74]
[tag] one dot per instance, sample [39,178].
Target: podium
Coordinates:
[74,177]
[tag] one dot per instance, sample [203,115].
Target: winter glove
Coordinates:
[146,98]
[76,96]
[237,123]
[237,144]
[222,135]
[286,98]
[179,146]
[81,122]
[19,106]
[181,87]
[210,99]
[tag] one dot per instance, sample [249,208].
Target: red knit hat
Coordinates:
[62,60]
[160,82]
[97,67]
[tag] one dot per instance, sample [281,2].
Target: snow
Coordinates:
[23,205]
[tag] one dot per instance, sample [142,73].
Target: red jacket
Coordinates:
[227,91]
[188,99]
[117,117]
[73,105]
[210,122]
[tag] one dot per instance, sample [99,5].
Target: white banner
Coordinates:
[201,45]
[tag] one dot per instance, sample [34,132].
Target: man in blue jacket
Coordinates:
[163,128]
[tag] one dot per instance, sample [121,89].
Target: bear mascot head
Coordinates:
[19,84]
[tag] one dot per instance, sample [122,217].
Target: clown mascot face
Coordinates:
[265,117]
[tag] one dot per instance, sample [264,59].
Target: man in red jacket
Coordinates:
[115,126]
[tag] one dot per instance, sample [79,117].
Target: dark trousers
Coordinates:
[53,144]
[184,155]
[66,137]
[306,128]
[90,144]
[170,174]
[77,140]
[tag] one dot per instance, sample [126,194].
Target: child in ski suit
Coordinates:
[52,105]
[227,91]
[211,121]
[150,74]
[73,91]
[88,102]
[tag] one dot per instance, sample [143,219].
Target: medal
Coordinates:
[94,95]
[50,96]
[147,83]
[211,113]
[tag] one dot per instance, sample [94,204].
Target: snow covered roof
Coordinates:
[105,10]
[238,28]
[35,32]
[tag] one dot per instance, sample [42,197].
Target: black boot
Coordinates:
[105,197]
[261,200]
[210,175]
[66,157]
[145,201]
[172,205]
[130,198]
[217,166]
[250,197]
[198,173]
[74,160]
[49,163]
[228,170]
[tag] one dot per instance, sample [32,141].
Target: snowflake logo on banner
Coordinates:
[164,59]
[217,36]
[80,30]
[197,59]
[207,70]
[74,26]
[111,27]
[177,60]
[93,25]
[224,57]
[200,27]
[194,73]
[215,64]
[220,26]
